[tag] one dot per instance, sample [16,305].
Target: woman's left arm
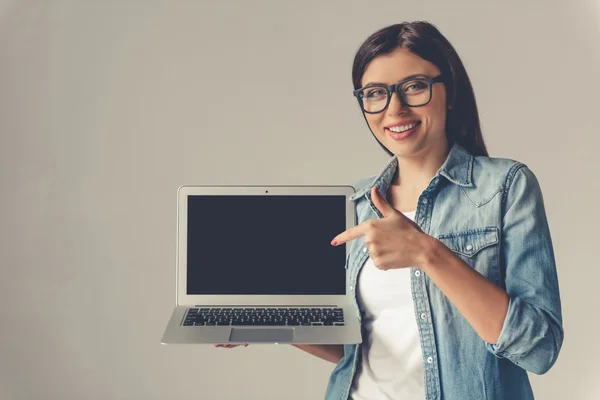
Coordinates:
[524,323]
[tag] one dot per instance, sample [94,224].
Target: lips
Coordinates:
[402,131]
[403,126]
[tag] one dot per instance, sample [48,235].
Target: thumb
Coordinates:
[382,205]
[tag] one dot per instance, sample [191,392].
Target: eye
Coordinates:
[415,86]
[374,93]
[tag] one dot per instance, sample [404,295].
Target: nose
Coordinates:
[396,105]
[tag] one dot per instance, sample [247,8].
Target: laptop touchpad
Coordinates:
[274,335]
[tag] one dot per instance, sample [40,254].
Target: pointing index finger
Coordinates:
[349,234]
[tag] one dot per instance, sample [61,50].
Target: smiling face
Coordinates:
[403,130]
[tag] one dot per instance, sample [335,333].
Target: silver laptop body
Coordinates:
[255,265]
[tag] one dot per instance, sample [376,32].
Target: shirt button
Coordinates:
[429,360]
[424,201]
[423,316]
[417,273]
[351,287]
[365,250]
[469,247]
[435,181]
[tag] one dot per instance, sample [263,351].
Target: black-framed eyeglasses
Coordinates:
[414,92]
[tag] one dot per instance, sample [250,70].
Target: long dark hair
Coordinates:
[426,41]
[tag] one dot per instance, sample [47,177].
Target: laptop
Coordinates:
[255,264]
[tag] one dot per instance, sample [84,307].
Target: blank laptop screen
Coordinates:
[265,245]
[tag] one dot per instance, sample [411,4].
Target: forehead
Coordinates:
[393,67]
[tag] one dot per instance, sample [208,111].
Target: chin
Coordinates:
[405,149]
[405,153]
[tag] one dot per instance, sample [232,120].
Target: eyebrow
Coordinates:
[403,79]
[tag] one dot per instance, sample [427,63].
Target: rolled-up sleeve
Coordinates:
[532,333]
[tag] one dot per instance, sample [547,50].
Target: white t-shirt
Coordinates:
[392,361]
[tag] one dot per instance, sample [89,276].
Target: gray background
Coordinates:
[106,107]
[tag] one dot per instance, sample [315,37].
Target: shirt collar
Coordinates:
[457,168]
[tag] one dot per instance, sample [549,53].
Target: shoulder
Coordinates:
[363,183]
[361,186]
[514,179]
[496,171]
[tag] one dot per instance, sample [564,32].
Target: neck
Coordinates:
[416,171]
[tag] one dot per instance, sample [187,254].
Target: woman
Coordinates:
[462,302]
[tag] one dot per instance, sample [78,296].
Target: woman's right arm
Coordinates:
[328,352]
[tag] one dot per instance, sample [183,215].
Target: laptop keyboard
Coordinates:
[264,316]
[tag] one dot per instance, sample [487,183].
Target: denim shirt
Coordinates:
[490,213]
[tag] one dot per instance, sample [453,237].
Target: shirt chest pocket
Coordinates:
[477,247]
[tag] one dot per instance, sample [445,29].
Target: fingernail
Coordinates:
[334,242]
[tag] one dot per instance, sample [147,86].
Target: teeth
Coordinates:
[402,128]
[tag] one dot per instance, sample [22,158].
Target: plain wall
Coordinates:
[107,107]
